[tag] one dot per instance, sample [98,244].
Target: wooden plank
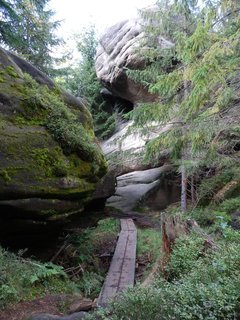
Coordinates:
[121,273]
[124,224]
[131,225]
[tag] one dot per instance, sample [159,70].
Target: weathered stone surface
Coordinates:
[106,186]
[117,51]
[125,149]
[133,187]
[82,305]
[41,173]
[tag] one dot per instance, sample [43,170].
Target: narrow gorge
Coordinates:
[119,177]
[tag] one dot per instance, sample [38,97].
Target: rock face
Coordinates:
[134,187]
[117,52]
[49,158]
[125,149]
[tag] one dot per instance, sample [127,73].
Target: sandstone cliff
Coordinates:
[50,160]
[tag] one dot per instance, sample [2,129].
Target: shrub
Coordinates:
[207,216]
[205,287]
[88,246]
[193,301]
[184,256]
[210,186]
[230,205]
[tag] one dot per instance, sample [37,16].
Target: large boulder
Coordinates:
[50,159]
[125,148]
[118,51]
[136,187]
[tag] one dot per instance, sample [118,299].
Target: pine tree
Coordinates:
[7,15]
[196,82]
[28,29]
[81,80]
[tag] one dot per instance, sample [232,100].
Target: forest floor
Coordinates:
[92,244]
[52,304]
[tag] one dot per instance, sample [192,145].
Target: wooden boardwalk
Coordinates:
[121,273]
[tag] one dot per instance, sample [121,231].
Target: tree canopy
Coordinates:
[28,28]
[80,79]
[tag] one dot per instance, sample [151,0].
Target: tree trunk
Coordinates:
[193,193]
[183,188]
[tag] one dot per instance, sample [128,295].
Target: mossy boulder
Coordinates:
[50,160]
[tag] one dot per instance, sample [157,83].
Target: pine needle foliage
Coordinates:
[196,81]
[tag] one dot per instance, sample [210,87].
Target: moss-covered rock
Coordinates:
[48,150]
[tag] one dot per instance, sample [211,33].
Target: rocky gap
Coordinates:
[40,239]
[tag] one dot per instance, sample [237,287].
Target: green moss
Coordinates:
[11,72]
[22,121]
[51,161]
[5,176]
[45,106]
[55,163]
[2,122]
[48,147]
[69,125]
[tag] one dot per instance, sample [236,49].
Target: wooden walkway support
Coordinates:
[121,273]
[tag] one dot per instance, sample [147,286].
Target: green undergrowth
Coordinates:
[148,249]
[209,187]
[197,283]
[24,279]
[92,249]
[216,217]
